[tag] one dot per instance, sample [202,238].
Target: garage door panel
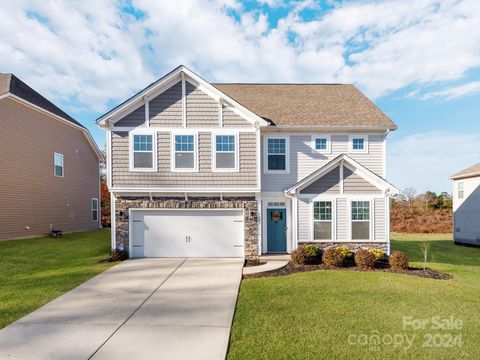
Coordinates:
[188,233]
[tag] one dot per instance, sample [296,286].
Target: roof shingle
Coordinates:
[468,172]
[9,83]
[308,104]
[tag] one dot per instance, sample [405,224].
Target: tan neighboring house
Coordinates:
[199,169]
[466,206]
[50,166]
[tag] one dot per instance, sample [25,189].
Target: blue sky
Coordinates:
[418,61]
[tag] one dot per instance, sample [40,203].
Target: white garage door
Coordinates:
[187,233]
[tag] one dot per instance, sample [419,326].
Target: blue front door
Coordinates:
[276,230]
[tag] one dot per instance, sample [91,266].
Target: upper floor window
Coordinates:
[461,192]
[184,152]
[225,152]
[358,144]
[58,164]
[321,144]
[322,220]
[143,152]
[276,154]
[360,220]
[94,209]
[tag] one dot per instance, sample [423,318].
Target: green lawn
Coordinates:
[36,271]
[313,315]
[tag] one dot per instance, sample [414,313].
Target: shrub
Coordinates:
[117,255]
[336,256]
[306,254]
[364,259]
[378,254]
[398,260]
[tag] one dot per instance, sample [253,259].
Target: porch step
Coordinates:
[275,257]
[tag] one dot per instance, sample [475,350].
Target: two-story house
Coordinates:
[199,169]
[49,177]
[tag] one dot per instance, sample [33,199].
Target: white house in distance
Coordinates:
[466,206]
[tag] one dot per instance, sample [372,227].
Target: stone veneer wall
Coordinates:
[353,246]
[122,205]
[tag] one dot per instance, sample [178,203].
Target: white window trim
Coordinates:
[371,220]
[173,152]
[63,165]
[365,142]
[236,168]
[334,219]
[462,190]
[328,150]
[287,155]
[154,150]
[92,209]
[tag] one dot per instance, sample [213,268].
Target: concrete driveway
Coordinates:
[139,309]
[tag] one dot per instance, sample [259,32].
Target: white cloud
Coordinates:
[427,160]
[90,53]
[454,92]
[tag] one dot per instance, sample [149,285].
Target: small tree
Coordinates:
[425,249]
[408,194]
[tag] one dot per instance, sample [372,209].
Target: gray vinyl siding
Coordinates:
[304,220]
[303,162]
[202,110]
[341,215]
[342,219]
[232,120]
[136,118]
[327,184]
[355,184]
[379,219]
[164,178]
[166,109]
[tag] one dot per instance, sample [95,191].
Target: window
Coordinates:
[184,152]
[225,152]
[461,192]
[143,152]
[360,220]
[321,144]
[358,144]
[276,154]
[58,164]
[322,220]
[94,209]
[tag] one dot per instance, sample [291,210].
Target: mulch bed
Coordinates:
[293,268]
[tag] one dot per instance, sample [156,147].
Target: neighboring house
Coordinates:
[201,169]
[466,206]
[50,166]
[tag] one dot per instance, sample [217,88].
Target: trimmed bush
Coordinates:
[398,260]
[364,259]
[336,256]
[378,254]
[307,255]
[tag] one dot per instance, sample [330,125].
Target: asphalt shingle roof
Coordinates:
[471,171]
[9,83]
[308,104]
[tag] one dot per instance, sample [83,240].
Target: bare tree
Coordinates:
[408,195]
[425,249]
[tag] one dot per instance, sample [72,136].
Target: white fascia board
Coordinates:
[171,79]
[186,190]
[85,131]
[326,128]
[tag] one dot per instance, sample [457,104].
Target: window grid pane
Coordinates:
[276,146]
[358,144]
[360,210]
[225,143]
[184,143]
[322,210]
[142,142]
[321,144]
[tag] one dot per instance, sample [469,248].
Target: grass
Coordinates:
[311,315]
[36,271]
